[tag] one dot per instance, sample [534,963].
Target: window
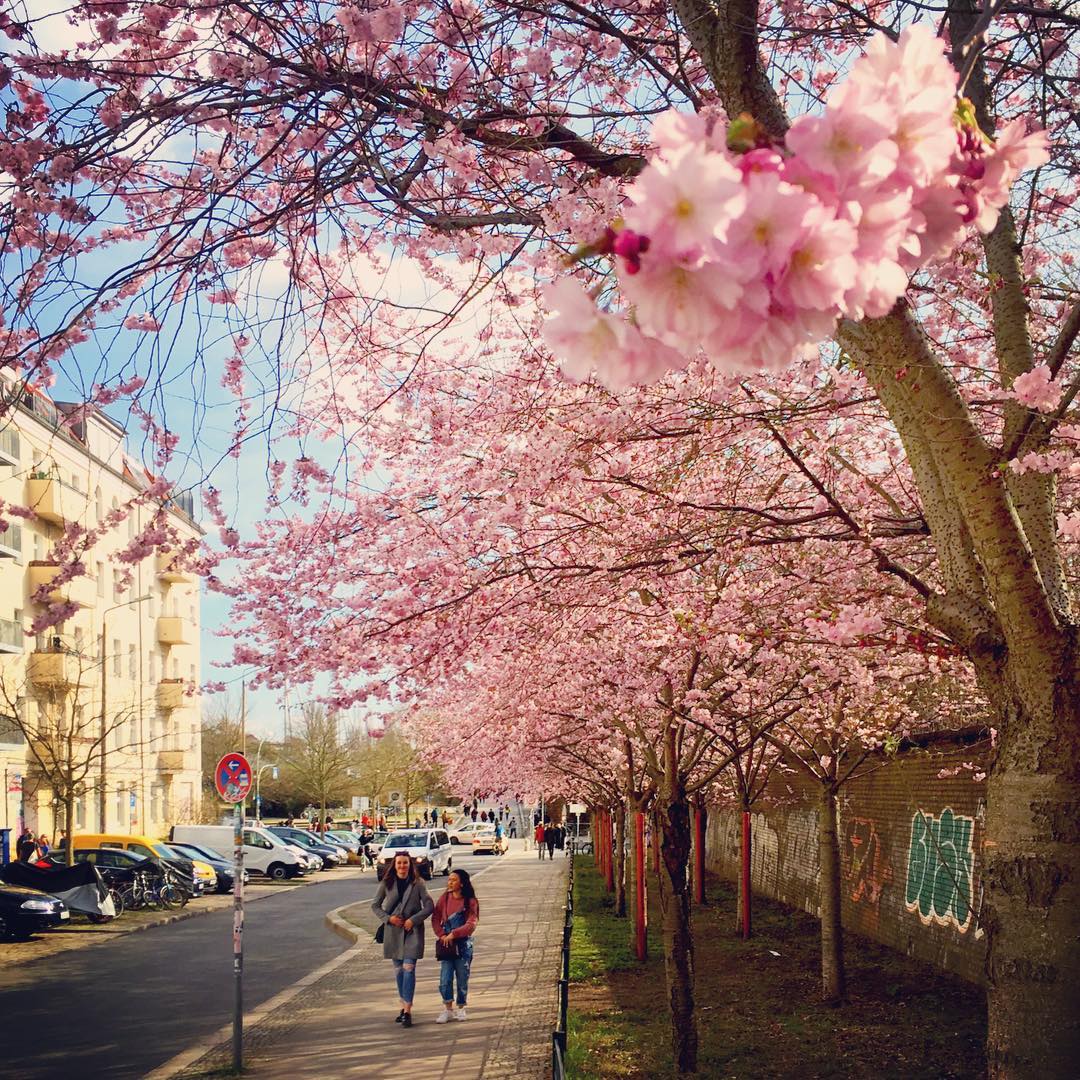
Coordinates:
[116,668]
[133,663]
[76,481]
[176,667]
[79,643]
[99,506]
[101,579]
[140,849]
[131,521]
[80,813]
[191,673]
[157,802]
[153,667]
[117,584]
[39,547]
[119,810]
[10,732]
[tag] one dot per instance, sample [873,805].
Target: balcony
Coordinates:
[174,761]
[52,670]
[9,447]
[168,572]
[11,542]
[79,591]
[170,694]
[51,500]
[172,630]
[11,636]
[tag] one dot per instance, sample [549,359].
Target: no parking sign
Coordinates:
[232,777]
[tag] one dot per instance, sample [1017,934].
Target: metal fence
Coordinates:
[558,1036]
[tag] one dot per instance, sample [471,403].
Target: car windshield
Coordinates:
[407,839]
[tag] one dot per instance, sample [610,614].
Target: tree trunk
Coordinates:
[69,830]
[620,860]
[701,823]
[638,933]
[745,901]
[678,939]
[1031,890]
[833,989]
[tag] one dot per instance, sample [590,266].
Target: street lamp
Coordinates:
[259,770]
[104,679]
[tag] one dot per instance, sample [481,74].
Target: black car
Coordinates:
[25,911]
[331,854]
[221,866]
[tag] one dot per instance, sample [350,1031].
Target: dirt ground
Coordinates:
[758,1006]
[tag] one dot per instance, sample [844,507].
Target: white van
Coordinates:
[264,853]
[429,847]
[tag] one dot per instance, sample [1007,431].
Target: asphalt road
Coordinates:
[122,1009]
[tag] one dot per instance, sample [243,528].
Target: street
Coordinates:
[122,1009]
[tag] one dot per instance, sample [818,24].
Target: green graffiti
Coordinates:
[941,865]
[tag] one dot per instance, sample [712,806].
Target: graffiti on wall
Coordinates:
[867,869]
[941,867]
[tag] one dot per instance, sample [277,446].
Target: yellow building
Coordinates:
[131,638]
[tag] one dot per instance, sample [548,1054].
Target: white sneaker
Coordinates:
[443,1017]
[461,1014]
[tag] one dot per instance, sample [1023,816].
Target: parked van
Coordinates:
[429,847]
[264,853]
[203,873]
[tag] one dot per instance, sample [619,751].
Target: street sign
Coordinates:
[577,808]
[232,777]
[15,783]
[394,797]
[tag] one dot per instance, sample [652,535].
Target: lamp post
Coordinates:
[259,770]
[103,731]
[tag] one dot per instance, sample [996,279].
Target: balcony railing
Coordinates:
[10,447]
[168,571]
[170,694]
[50,499]
[174,761]
[52,670]
[11,541]
[172,630]
[79,591]
[11,636]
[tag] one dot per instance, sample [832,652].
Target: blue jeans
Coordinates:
[460,968]
[405,973]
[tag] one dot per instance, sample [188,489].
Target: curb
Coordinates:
[352,933]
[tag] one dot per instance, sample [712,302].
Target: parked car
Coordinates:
[201,874]
[222,866]
[26,911]
[463,833]
[484,841]
[264,853]
[330,854]
[429,847]
[351,840]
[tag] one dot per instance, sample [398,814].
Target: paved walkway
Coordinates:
[342,1025]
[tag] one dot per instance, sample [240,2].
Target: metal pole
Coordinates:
[103,732]
[238,935]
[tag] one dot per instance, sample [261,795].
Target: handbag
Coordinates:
[380,934]
[445,952]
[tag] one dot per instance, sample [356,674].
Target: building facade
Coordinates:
[103,706]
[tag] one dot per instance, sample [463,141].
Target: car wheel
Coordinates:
[277,872]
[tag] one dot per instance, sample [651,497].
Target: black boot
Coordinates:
[400,1018]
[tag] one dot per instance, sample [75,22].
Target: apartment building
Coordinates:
[106,701]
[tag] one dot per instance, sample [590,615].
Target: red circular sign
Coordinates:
[232,777]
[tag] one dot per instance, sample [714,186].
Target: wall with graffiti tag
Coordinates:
[910,838]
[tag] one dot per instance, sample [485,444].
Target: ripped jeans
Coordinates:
[405,973]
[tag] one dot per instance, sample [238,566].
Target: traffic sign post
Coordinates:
[233,780]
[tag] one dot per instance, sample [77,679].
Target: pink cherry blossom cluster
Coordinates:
[1036,389]
[749,250]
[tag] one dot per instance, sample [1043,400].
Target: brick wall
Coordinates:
[910,850]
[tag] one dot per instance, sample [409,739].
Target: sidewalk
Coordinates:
[342,1025]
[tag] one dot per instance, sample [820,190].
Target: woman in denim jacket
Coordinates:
[456,915]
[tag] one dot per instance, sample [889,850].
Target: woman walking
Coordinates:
[402,904]
[454,922]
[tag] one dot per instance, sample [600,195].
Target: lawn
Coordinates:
[757,1005]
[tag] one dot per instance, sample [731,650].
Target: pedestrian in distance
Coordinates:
[402,904]
[560,836]
[43,846]
[473,813]
[25,847]
[551,834]
[454,922]
[513,829]
[538,836]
